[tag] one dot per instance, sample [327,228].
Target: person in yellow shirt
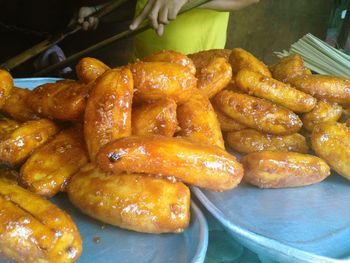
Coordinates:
[200,29]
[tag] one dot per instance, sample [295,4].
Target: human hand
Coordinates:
[159,13]
[90,23]
[228,5]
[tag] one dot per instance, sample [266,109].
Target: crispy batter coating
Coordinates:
[17,146]
[249,140]
[198,121]
[242,59]
[16,106]
[9,173]
[172,57]
[7,126]
[159,80]
[227,124]
[200,165]
[63,100]
[283,169]
[323,112]
[257,113]
[89,69]
[214,77]
[288,68]
[108,110]
[32,229]
[132,201]
[331,141]
[6,85]
[203,58]
[330,88]
[232,86]
[50,167]
[158,117]
[268,88]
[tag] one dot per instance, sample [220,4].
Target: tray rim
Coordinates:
[278,247]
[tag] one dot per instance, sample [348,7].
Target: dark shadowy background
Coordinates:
[271,25]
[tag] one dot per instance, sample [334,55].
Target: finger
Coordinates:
[173,12]
[163,16]
[153,15]
[142,16]
[91,21]
[97,21]
[85,26]
[160,30]
[81,20]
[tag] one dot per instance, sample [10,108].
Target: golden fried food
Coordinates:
[258,113]
[133,201]
[159,80]
[198,121]
[323,112]
[248,141]
[63,100]
[108,110]
[48,169]
[158,117]
[227,124]
[288,68]
[233,87]
[32,229]
[214,77]
[331,142]
[283,169]
[203,58]
[16,106]
[6,85]
[330,88]
[200,165]
[17,146]
[346,110]
[242,59]
[89,69]
[7,126]
[8,173]
[268,88]
[172,57]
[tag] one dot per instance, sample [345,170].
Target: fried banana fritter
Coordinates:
[108,110]
[32,229]
[283,169]
[158,117]
[258,113]
[200,165]
[247,141]
[133,201]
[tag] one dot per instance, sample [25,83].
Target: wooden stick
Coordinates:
[53,40]
[127,33]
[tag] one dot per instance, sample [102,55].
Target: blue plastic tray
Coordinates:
[118,245]
[306,224]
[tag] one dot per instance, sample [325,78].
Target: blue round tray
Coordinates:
[306,224]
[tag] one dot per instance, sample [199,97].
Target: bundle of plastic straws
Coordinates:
[319,56]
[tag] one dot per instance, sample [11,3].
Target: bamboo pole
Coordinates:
[53,40]
[144,26]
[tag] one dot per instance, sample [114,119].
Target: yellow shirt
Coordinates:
[193,31]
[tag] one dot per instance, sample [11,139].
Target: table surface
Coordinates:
[223,248]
